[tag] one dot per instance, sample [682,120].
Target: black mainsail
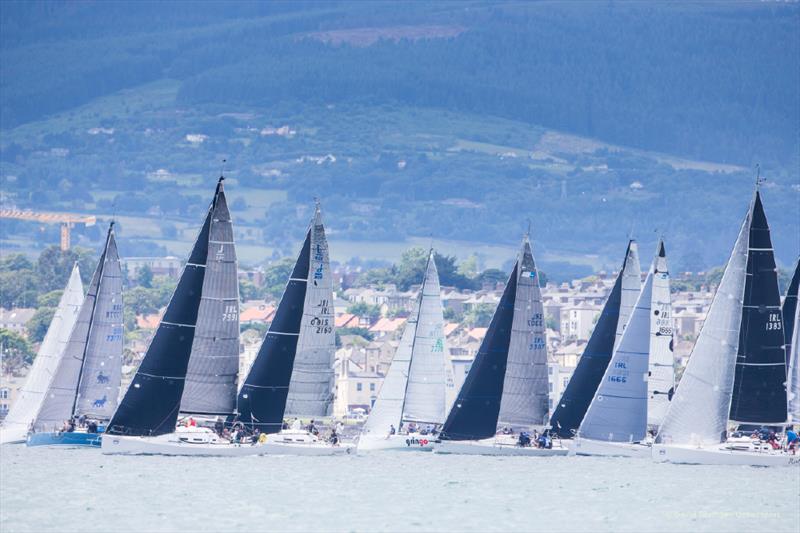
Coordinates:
[788,311]
[477,407]
[151,403]
[262,398]
[581,388]
[759,388]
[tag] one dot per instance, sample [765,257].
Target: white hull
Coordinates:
[298,442]
[168,445]
[720,455]
[495,447]
[610,449]
[410,443]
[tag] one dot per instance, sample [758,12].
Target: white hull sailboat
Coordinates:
[411,443]
[637,450]
[721,454]
[499,445]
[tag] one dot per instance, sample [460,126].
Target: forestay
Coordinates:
[698,413]
[425,400]
[618,412]
[25,408]
[311,386]
[526,387]
[212,374]
[790,332]
[793,385]
[661,382]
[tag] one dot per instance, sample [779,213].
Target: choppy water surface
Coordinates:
[82,490]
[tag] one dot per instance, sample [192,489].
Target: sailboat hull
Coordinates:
[294,442]
[168,445]
[720,455]
[610,449]
[398,443]
[73,439]
[495,447]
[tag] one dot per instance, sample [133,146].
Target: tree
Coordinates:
[17,351]
[39,322]
[145,277]
[50,299]
[54,266]
[276,276]
[479,316]
[373,312]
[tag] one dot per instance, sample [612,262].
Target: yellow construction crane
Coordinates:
[67,220]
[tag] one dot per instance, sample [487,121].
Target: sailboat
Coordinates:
[507,384]
[616,421]
[190,368]
[791,330]
[414,391]
[24,410]
[86,381]
[293,370]
[661,376]
[721,367]
[605,338]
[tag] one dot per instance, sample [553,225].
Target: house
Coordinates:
[387,326]
[346,320]
[169,266]
[10,385]
[15,319]
[261,313]
[356,386]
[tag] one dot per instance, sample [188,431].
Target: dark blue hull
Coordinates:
[75,439]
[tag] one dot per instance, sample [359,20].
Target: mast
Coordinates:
[475,411]
[580,390]
[698,413]
[759,390]
[526,387]
[150,405]
[661,380]
[788,311]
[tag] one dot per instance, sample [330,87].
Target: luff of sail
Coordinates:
[311,386]
[60,401]
[759,389]
[475,411]
[211,381]
[577,396]
[661,381]
[793,377]
[102,366]
[262,398]
[526,386]
[425,398]
[631,287]
[618,412]
[24,410]
[151,402]
[698,413]
[788,309]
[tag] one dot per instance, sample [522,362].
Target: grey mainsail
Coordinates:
[661,382]
[525,389]
[311,386]
[212,375]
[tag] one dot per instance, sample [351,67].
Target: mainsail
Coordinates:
[262,398]
[475,411]
[425,398]
[699,410]
[788,312]
[212,374]
[526,387]
[311,385]
[150,405]
[661,381]
[580,390]
[87,378]
[618,412]
[759,389]
[25,408]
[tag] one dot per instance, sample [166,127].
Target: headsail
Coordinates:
[698,412]
[150,405]
[25,408]
[89,345]
[580,390]
[661,382]
[631,287]
[425,399]
[311,386]
[212,374]
[793,381]
[618,412]
[526,386]
[759,389]
[475,411]
[262,398]
[788,311]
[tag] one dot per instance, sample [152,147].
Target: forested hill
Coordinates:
[707,80]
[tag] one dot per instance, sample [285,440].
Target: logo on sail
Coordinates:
[102,378]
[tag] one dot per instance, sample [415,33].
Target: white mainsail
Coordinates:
[698,413]
[426,396]
[793,384]
[24,409]
[525,387]
[311,386]
[618,412]
[631,287]
[661,382]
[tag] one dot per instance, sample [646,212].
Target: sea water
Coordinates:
[82,490]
